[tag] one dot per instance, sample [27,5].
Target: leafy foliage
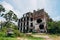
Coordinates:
[10,16]
[53,27]
[2,9]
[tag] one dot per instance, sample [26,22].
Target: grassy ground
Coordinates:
[34,38]
[38,37]
[7,38]
[31,37]
[23,37]
[54,36]
[48,36]
[4,37]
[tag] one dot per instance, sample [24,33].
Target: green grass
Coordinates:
[29,38]
[35,38]
[7,38]
[4,37]
[54,35]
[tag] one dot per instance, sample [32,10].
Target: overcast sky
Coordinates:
[52,7]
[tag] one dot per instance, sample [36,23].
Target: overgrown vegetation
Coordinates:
[8,24]
[53,27]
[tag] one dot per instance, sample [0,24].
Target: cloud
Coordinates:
[50,7]
[2,19]
[8,7]
[41,3]
[19,15]
[26,5]
[56,18]
[33,4]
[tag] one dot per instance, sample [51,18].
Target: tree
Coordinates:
[10,16]
[2,9]
[53,27]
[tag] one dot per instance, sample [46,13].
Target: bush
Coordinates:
[2,34]
[16,33]
[7,38]
[53,27]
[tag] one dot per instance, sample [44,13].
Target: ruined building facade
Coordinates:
[33,22]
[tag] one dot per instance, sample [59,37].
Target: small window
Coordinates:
[31,25]
[27,18]
[21,24]
[24,23]
[27,23]
[31,19]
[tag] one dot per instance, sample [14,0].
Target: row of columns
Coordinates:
[25,24]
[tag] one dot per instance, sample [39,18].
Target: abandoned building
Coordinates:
[33,22]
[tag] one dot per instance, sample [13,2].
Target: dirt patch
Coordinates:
[19,38]
[56,38]
[46,37]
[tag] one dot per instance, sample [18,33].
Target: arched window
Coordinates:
[41,26]
[39,20]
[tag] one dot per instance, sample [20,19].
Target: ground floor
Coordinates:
[33,28]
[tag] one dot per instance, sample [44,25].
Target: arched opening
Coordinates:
[41,26]
[39,20]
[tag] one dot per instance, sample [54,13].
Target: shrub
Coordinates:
[16,33]
[53,27]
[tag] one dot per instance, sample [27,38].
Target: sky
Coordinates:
[52,7]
